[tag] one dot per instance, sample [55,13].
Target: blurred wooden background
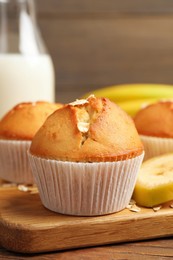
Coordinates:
[96,43]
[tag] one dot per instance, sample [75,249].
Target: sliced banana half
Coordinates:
[154,184]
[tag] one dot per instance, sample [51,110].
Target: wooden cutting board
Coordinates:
[27,227]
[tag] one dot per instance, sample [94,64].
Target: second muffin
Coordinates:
[17,129]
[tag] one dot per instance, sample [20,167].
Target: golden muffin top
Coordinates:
[24,120]
[156,120]
[90,130]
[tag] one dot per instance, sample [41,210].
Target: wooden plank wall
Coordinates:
[96,43]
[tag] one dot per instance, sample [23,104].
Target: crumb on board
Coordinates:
[22,188]
[155,209]
[132,206]
[27,188]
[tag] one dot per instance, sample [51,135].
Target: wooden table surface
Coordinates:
[153,249]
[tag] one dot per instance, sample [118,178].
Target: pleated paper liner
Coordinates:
[155,146]
[14,163]
[85,189]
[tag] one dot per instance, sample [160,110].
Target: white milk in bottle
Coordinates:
[26,69]
[25,78]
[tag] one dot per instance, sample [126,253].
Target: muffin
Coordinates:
[85,158]
[154,124]
[17,129]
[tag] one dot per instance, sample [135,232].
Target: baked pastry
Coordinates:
[17,129]
[85,158]
[154,123]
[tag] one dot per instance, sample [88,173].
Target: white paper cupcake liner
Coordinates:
[155,146]
[14,163]
[85,189]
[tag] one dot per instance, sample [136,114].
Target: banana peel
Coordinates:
[154,184]
[125,92]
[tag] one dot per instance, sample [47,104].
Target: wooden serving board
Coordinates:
[27,227]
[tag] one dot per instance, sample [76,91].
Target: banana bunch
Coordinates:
[154,184]
[132,97]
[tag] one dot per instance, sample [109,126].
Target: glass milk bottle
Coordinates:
[26,69]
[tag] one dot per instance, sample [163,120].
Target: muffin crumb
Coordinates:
[133,208]
[23,188]
[155,209]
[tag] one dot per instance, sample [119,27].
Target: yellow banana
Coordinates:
[120,93]
[155,181]
[133,106]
